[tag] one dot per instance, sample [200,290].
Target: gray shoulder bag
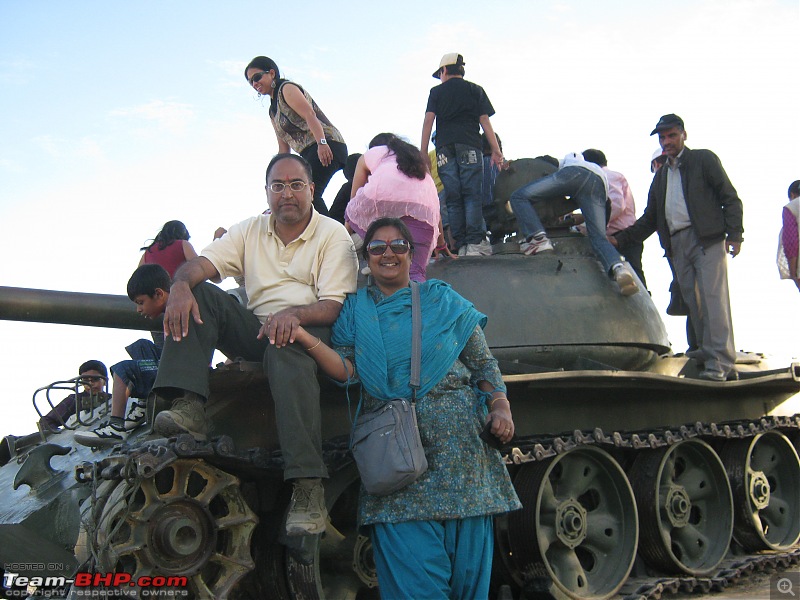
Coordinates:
[385,441]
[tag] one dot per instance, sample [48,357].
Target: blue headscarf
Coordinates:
[381,336]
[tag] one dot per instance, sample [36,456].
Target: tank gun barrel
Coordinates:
[71,308]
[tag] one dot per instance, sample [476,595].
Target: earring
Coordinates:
[272,85]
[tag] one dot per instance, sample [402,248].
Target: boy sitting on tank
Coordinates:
[93,376]
[148,287]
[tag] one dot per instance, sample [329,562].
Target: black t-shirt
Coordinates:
[458,104]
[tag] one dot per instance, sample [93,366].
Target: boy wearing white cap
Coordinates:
[461,108]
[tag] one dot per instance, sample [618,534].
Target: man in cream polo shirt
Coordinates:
[298,266]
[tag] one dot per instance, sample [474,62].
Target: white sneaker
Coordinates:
[482,249]
[137,412]
[536,245]
[625,280]
[104,436]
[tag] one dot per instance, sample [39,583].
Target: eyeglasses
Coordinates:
[276,187]
[91,379]
[257,77]
[378,247]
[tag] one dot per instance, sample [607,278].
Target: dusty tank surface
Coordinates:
[637,478]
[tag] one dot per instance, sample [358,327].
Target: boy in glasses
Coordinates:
[148,288]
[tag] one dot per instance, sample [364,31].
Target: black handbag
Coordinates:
[385,441]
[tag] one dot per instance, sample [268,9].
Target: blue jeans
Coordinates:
[583,186]
[461,172]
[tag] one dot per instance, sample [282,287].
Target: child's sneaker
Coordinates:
[536,245]
[104,436]
[137,412]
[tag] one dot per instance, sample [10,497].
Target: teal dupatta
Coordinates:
[380,333]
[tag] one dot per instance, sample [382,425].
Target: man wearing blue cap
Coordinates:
[698,215]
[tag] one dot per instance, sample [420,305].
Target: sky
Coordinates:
[116,117]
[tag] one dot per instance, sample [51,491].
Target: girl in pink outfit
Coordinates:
[392,180]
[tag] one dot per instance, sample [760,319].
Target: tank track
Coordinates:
[221,452]
[730,572]
[533,448]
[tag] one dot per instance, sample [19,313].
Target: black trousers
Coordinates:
[322,174]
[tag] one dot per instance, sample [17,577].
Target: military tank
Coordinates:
[637,478]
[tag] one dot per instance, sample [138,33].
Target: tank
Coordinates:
[637,478]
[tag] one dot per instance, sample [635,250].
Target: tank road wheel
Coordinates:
[764,472]
[578,529]
[343,565]
[190,519]
[685,507]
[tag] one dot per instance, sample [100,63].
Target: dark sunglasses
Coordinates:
[257,77]
[378,247]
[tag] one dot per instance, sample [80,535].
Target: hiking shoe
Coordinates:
[187,415]
[137,412]
[536,245]
[307,513]
[104,436]
[625,280]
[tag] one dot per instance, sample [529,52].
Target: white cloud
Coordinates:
[173,116]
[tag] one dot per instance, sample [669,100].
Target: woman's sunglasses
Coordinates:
[378,247]
[257,77]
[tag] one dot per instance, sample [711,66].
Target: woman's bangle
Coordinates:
[442,247]
[319,341]
[491,404]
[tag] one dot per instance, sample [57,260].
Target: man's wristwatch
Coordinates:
[324,142]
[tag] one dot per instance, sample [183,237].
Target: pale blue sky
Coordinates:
[118,116]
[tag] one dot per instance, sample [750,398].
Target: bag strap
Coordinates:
[416,340]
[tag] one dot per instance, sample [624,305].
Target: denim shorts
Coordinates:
[138,375]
